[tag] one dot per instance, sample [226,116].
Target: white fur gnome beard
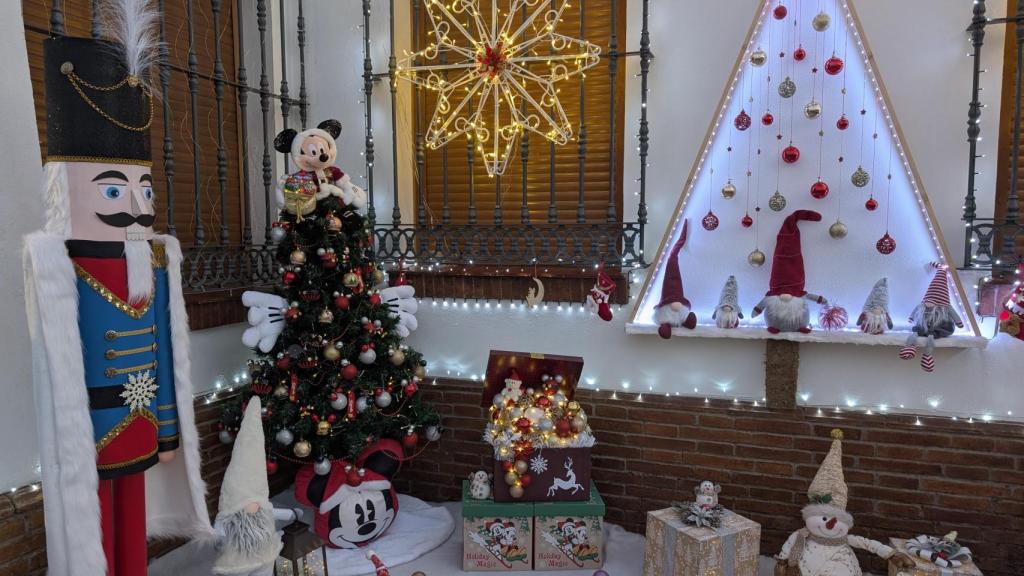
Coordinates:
[666,315]
[786,316]
[139,255]
[727,317]
[874,322]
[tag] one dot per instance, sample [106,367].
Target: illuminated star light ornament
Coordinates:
[497,76]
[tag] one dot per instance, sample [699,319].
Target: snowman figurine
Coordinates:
[479,485]
[707,494]
[824,546]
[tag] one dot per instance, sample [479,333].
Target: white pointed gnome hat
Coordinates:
[828,492]
[879,296]
[245,482]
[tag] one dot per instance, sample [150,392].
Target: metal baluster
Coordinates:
[645,67]
[396,209]
[243,103]
[165,83]
[552,209]
[368,113]
[1012,201]
[218,90]
[613,72]
[285,101]
[95,30]
[268,173]
[421,185]
[56,19]
[977,30]
[581,141]
[497,199]
[303,96]
[193,89]
[472,181]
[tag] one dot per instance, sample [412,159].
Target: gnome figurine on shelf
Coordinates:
[874,318]
[785,303]
[933,318]
[674,309]
[728,313]
[824,547]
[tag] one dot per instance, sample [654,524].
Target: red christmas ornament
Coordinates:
[790,154]
[780,12]
[871,204]
[710,221]
[742,121]
[410,389]
[289,277]
[819,190]
[833,65]
[310,295]
[747,221]
[525,480]
[410,440]
[291,388]
[331,418]
[799,54]
[349,372]
[271,467]
[329,260]
[543,402]
[292,314]
[886,244]
[507,465]
[767,119]
[341,302]
[351,414]
[843,123]
[563,428]
[833,318]
[523,424]
[283,363]
[375,300]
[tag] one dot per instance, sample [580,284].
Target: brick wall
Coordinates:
[22,534]
[904,479]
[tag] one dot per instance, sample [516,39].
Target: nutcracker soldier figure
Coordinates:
[118,442]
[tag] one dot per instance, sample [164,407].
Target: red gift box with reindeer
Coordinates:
[539,433]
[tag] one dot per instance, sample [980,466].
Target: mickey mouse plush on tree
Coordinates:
[314,151]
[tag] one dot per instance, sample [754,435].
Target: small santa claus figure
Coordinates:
[933,318]
[824,546]
[599,296]
[728,313]
[1011,319]
[785,303]
[874,318]
[674,309]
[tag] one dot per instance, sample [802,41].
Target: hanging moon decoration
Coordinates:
[535,296]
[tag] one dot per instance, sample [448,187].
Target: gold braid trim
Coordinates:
[122,425]
[110,297]
[69,71]
[127,463]
[99,160]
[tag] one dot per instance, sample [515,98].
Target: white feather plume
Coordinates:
[132,24]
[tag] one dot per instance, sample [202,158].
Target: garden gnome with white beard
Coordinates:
[674,309]
[933,318]
[728,313]
[874,318]
[824,546]
[785,303]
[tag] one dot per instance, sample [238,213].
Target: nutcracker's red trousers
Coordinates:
[123,511]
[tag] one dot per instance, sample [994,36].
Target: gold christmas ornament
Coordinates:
[398,358]
[326,316]
[420,372]
[331,353]
[511,477]
[333,224]
[777,202]
[280,392]
[821,21]
[787,88]
[302,448]
[297,257]
[323,428]
[378,277]
[522,467]
[756,258]
[860,177]
[838,230]
[350,280]
[729,190]
[515,492]
[758,57]
[812,110]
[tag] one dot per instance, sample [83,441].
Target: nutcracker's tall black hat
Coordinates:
[99,106]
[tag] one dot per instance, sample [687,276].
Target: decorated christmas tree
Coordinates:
[332,373]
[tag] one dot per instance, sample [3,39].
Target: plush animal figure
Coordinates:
[707,494]
[314,151]
[480,485]
[673,310]
[933,318]
[354,503]
[824,547]
[785,304]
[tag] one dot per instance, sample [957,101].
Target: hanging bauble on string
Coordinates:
[331,353]
[812,110]
[322,467]
[710,221]
[747,221]
[758,57]
[833,65]
[339,402]
[742,121]
[277,233]
[756,258]
[799,54]
[302,448]
[886,244]
[843,123]
[860,177]
[787,88]
[780,12]
[819,190]
[728,190]
[821,21]
[838,230]
[790,154]
[297,257]
[777,202]
[284,437]
[871,205]
[767,119]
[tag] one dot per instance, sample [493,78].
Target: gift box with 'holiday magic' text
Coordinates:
[496,537]
[569,535]
[675,548]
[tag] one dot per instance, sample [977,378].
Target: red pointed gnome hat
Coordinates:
[938,290]
[672,284]
[788,261]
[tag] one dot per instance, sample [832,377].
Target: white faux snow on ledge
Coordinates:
[893,338]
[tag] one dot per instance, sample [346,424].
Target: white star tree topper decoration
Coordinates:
[494,80]
[139,391]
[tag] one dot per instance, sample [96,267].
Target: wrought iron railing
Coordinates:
[991,243]
[613,240]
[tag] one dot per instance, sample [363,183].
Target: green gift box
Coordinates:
[569,535]
[496,536]
[675,548]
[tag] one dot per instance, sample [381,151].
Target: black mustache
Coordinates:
[124,219]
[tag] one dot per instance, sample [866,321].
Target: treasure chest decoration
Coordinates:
[539,433]
[299,191]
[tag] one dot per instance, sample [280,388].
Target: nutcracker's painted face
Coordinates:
[110,202]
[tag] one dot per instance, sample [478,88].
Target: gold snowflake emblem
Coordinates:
[497,76]
[139,391]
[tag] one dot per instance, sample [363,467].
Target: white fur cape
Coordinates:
[175,492]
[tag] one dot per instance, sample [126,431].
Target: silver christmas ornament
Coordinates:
[838,230]
[340,403]
[383,399]
[787,88]
[433,433]
[756,258]
[729,190]
[368,356]
[812,110]
[225,437]
[860,177]
[821,22]
[284,437]
[277,234]
[777,202]
[322,467]
[758,57]
[362,404]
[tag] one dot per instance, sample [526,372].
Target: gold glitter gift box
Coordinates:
[678,549]
[926,568]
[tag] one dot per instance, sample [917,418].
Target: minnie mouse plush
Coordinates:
[314,151]
[354,504]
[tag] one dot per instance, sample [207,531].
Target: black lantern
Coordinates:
[303,553]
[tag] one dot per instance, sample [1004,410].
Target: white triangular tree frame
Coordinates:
[640,321]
